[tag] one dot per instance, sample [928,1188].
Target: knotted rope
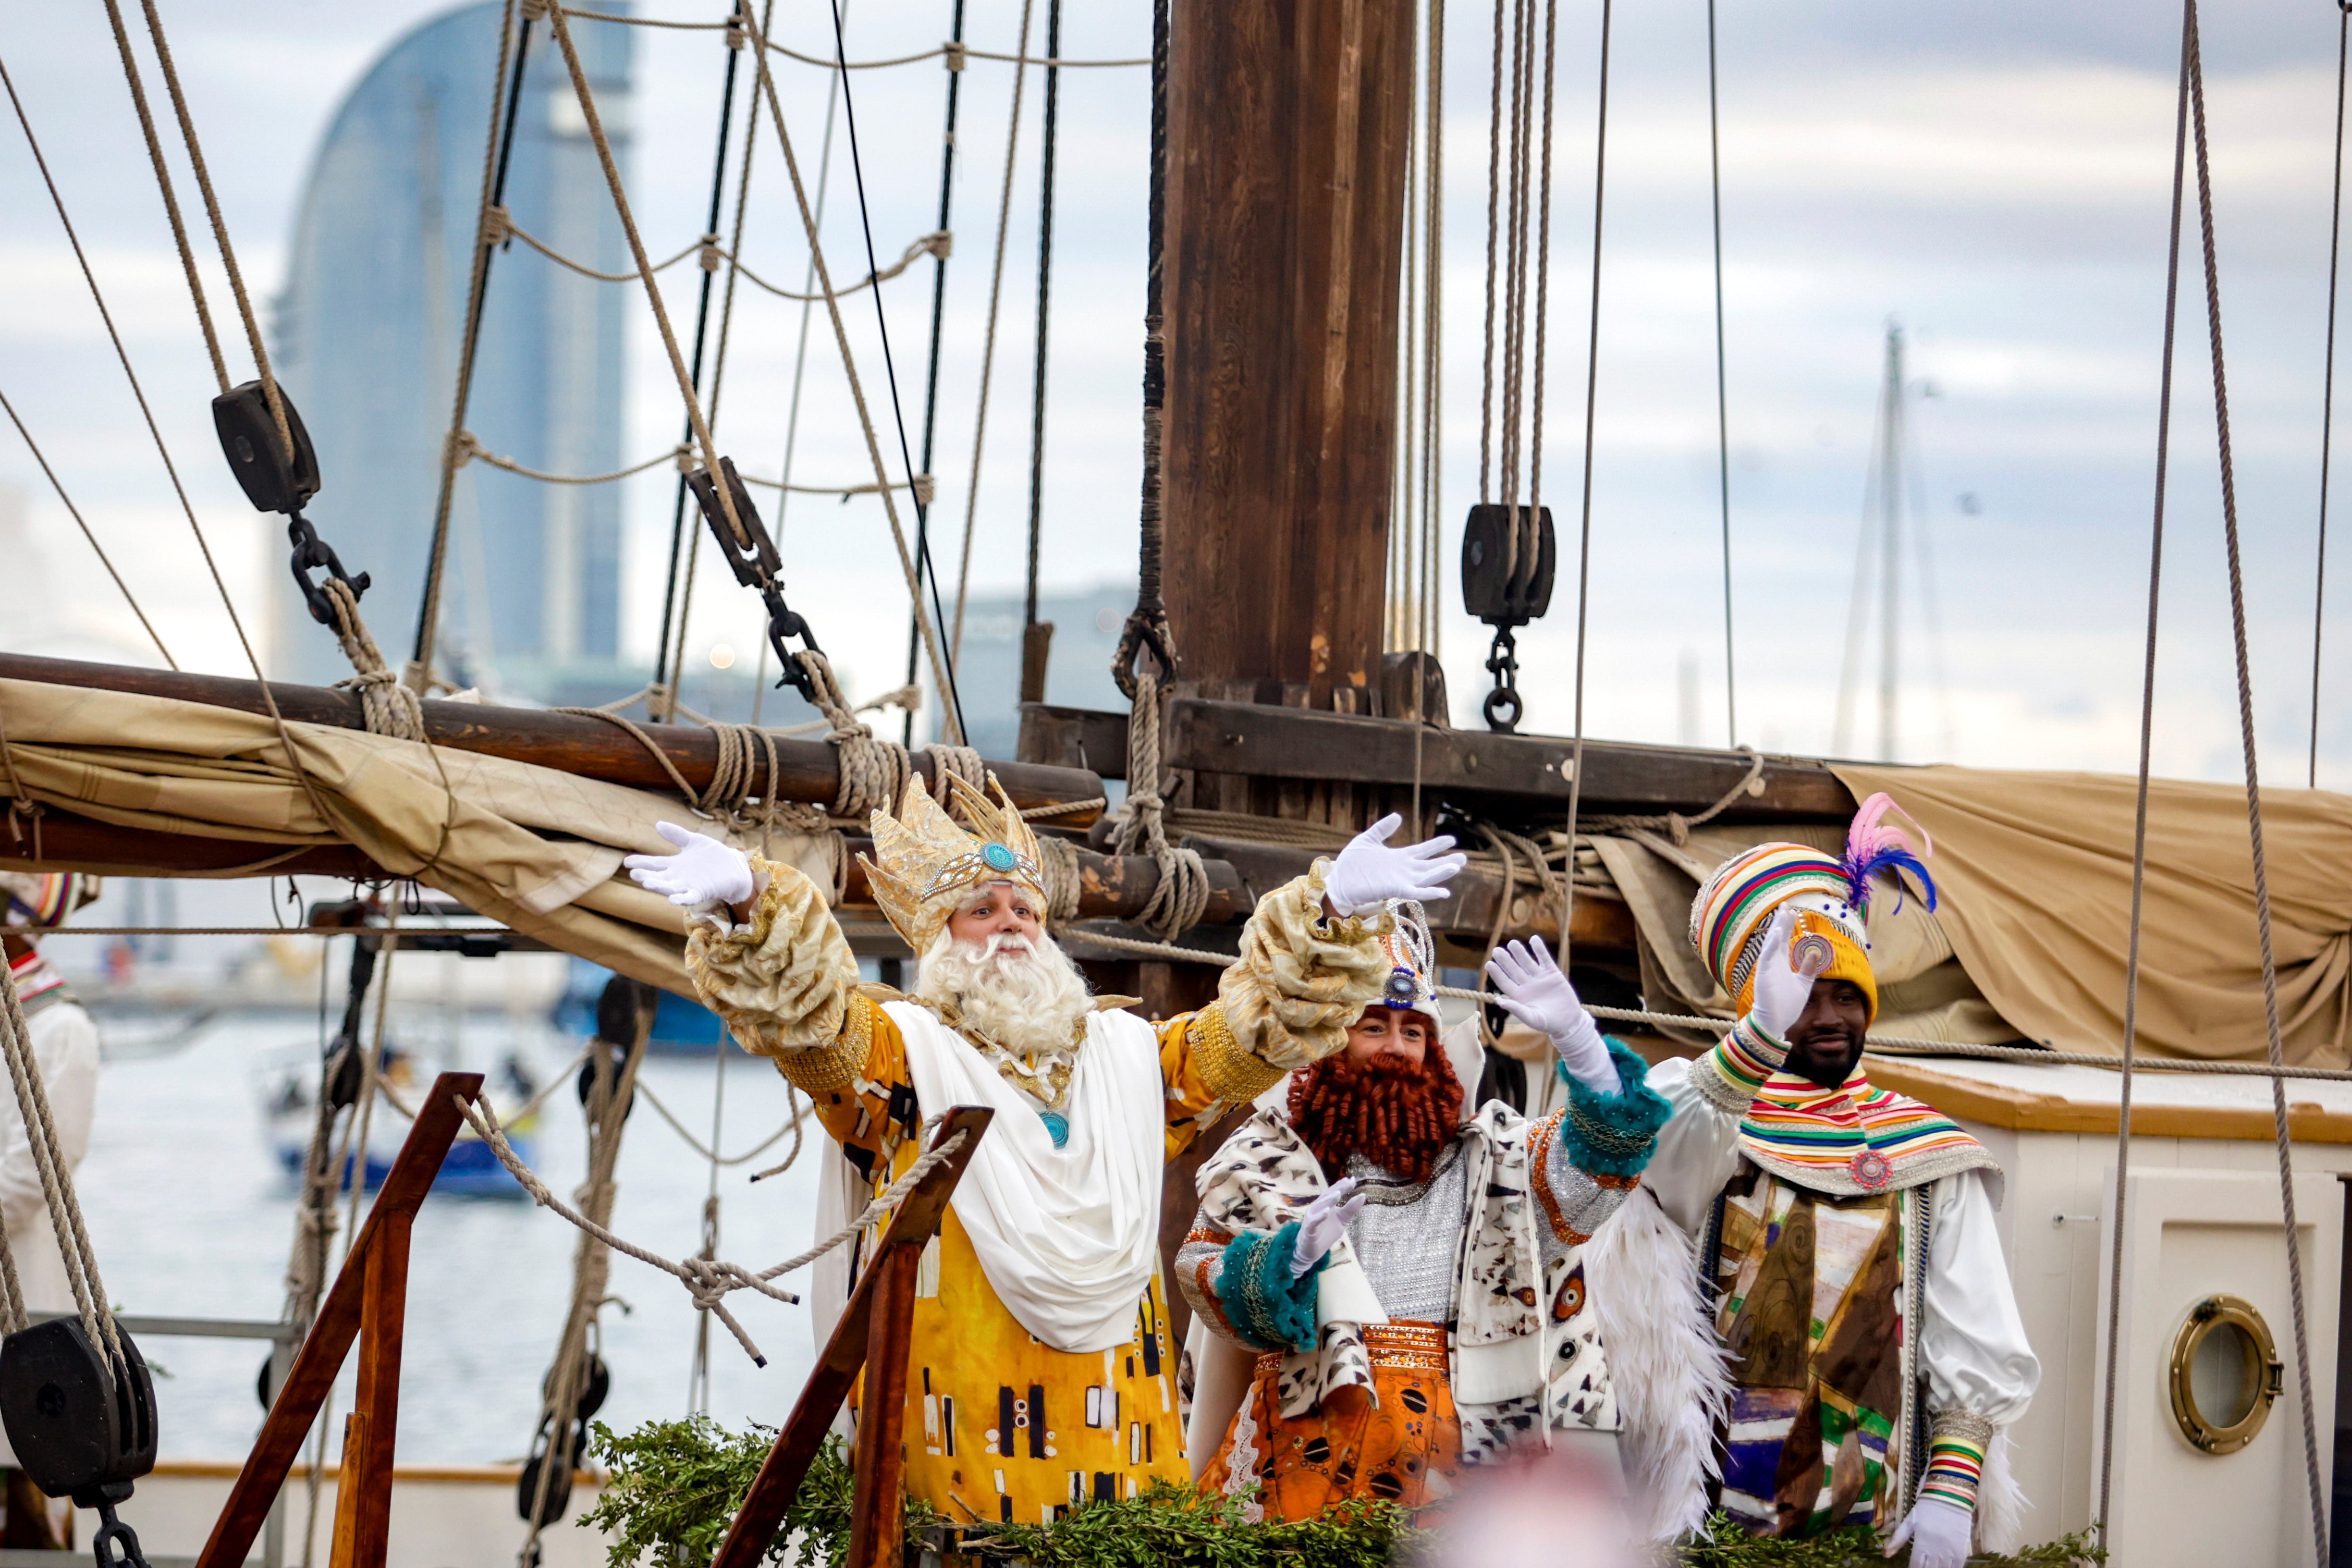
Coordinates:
[389,707]
[709,1281]
[873,772]
[1182,896]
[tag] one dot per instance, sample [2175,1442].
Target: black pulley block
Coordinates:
[72,1436]
[559,1486]
[594,1387]
[273,478]
[623,1009]
[1508,554]
[618,1055]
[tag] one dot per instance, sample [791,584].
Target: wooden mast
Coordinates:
[1285,224]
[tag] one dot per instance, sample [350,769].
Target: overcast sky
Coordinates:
[1994,176]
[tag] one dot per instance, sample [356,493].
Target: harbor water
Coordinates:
[191,1215]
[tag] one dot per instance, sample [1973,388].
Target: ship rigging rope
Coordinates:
[955,54]
[57,485]
[606,1107]
[670,659]
[2318,1495]
[712,253]
[988,342]
[2327,396]
[586,96]
[139,394]
[2139,815]
[952,712]
[497,143]
[56,1172]
[1584,527]
[707,1281]
[766,84]
[1722,387]
[470,449]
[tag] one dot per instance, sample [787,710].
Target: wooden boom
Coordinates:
[572,742]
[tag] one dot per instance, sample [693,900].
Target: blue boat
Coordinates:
[469,1170]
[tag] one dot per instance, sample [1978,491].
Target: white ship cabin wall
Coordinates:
[2205,1276]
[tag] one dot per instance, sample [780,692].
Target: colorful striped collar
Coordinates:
[1854,1140]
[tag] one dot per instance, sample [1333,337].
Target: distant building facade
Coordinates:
[1078,672]
[368,335]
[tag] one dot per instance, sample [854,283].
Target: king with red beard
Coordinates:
[1395,1290]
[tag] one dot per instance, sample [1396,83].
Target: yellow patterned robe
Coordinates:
[1001,1426]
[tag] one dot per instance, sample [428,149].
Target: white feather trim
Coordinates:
[1664,1362]
[2001,1503]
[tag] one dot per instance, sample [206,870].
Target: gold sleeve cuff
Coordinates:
[829,1070]
[782,980]
[1228,1072]
[1303,977]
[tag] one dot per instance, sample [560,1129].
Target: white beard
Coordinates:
[1024,994]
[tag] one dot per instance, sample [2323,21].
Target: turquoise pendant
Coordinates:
[1056,1125]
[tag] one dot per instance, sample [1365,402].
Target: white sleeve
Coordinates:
[1699,1149]
[65,1044]
[1973,1342]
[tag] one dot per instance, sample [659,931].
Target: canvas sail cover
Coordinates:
[535,847]
[2030,936]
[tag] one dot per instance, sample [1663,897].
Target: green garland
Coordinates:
[675,1484]
[674,1487]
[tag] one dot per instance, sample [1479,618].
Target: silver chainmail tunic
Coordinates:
[1408,1236]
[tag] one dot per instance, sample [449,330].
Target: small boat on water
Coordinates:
[288,1091]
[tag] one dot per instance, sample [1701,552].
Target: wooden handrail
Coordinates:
[874,1327]
[366,1302]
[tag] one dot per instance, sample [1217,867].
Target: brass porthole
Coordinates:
[2226,1374]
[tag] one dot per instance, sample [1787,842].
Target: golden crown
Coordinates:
[925,862]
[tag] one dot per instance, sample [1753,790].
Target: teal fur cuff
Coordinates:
[1269,1309]
[1612,1135]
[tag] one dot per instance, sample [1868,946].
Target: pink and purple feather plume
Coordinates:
[1873,845]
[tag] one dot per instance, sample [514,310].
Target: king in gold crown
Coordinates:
[925,864]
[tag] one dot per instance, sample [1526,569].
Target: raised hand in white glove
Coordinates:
[702,871]
[1367,873]
[1323,1224]
[1939,1533]
[1784,983]
[1529,987]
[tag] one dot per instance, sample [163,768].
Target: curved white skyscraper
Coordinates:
[367,338]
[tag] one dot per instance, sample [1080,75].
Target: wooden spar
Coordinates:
[1110,887]
[367,1303]
[1285,224]
[880,1312]
[570,743]
[1507,771]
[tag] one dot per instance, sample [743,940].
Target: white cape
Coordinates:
[1068,1237]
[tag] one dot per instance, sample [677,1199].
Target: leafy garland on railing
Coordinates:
[674,1484]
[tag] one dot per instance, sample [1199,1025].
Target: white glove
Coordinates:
[1939,1533]
[1529,987]
[1369,873]
[1323,1224]
[703,870]
[1784,984]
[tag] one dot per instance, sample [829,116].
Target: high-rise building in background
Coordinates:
[1086,624]
[368,334]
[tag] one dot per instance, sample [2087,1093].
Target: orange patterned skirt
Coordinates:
[1398,1444]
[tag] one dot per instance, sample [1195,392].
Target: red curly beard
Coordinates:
[1397,1113]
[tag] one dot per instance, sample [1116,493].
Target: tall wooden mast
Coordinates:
[1285,224]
